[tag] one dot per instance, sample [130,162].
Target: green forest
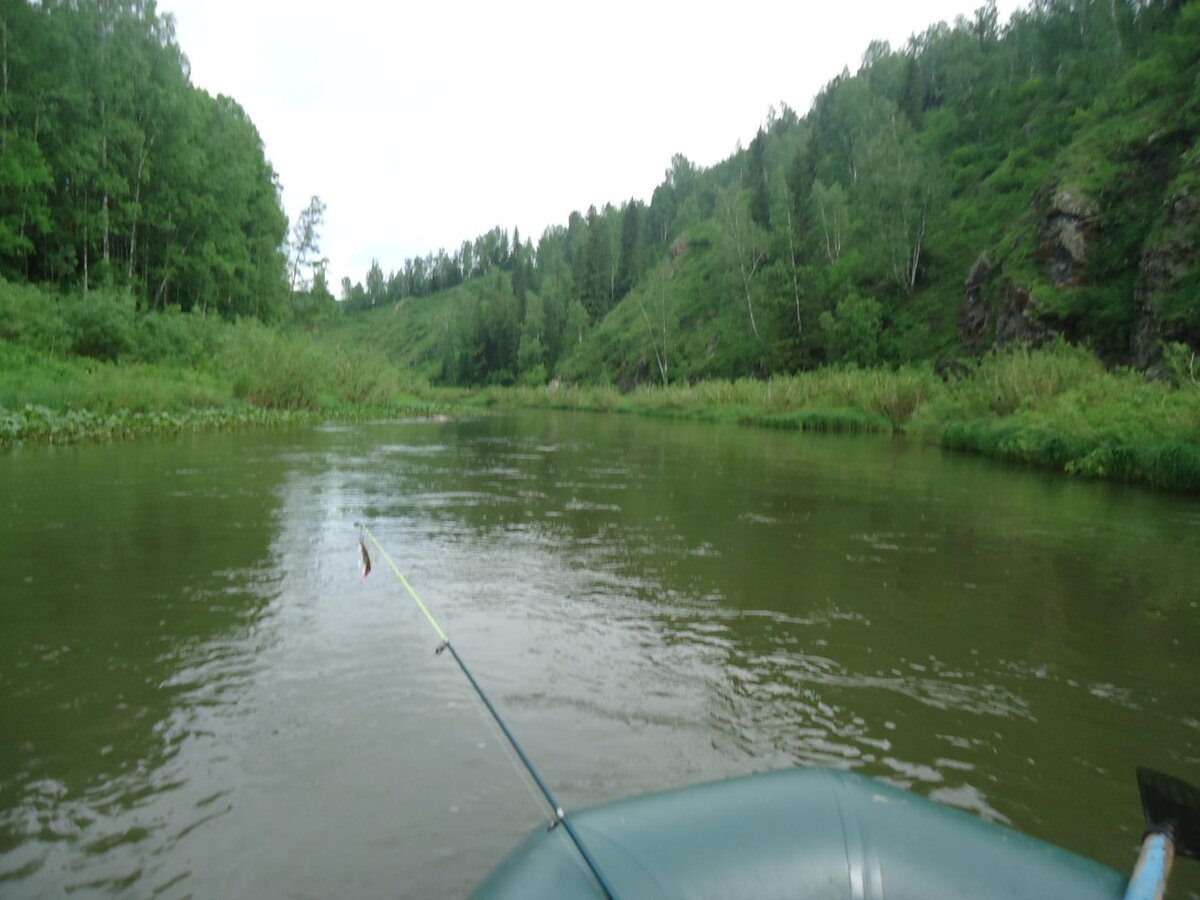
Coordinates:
[992,197]
[985,184]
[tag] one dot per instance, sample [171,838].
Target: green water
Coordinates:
[201,696]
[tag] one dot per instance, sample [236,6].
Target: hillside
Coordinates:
[984,185]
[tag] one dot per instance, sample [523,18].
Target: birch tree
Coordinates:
[745,243]
[306,240]
[657,319]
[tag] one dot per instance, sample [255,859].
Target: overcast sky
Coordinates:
[424,124]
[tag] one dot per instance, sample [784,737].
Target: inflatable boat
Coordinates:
[801,833]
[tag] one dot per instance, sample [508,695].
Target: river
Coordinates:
[201,696]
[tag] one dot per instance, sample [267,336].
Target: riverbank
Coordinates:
[1056,408]
[72,371]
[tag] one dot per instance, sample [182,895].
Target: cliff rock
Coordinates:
[975,317]
[1070,223]
[1015,319]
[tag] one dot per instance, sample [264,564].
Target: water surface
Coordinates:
[200,695]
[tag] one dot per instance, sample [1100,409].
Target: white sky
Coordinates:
[424,124]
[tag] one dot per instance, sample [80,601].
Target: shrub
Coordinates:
[100,324]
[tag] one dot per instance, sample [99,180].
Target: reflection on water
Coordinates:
[201,696]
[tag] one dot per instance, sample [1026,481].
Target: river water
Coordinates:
[201,696]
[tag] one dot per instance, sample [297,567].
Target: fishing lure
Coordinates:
[365,561]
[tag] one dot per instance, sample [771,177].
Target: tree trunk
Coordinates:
[735,227]
[787,205]
[104,202]
[85,245]
[4,69]
[1112,8]
[137,198]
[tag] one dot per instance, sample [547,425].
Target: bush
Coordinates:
[100,325]
[175,336]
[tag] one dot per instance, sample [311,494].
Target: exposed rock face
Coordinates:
[1064,237]
[1014,320]
[1165,262]
[975,317]
[1069,223]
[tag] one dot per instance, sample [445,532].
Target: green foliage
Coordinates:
[100,326]
[1180,361]
[852,330]
[291,370]
[117,173]
[828,420]
[40,424]
[88,366]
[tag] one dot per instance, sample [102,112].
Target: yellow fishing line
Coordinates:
[404,581]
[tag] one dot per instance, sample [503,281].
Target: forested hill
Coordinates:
[986,183]
[115,172]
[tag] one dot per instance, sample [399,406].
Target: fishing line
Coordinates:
[560,817]
[522,774]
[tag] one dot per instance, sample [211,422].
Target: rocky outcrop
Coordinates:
[975,317]
[1070,223]
[1065,236]
[1012,320]
[1016,320]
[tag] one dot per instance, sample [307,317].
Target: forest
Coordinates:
[986,184]
[117,173]
[991,202]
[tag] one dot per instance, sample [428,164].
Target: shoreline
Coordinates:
[1055,409]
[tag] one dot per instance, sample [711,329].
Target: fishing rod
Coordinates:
[560,817]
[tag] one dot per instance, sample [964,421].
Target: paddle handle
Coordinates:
[1149,881]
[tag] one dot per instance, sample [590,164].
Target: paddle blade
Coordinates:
[1171,806]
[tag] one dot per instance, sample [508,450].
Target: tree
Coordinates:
[594,279]
[531,352]
[901,189]
[794,268]
[520,272]
[756,182]
[577,322]
[833,214]
[658,326]
[629,268]
[306,240]
[852,331]
[376,286]
[744,242]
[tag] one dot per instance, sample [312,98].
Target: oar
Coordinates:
[1172,809]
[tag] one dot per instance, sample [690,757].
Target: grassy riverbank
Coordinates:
[1055,408]
[74,369]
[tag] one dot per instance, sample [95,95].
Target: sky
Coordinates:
[424,124]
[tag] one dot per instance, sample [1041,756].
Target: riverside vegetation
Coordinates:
[987,239]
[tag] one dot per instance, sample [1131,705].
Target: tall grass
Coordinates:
[292,370]
[1055,407]
[73,365]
